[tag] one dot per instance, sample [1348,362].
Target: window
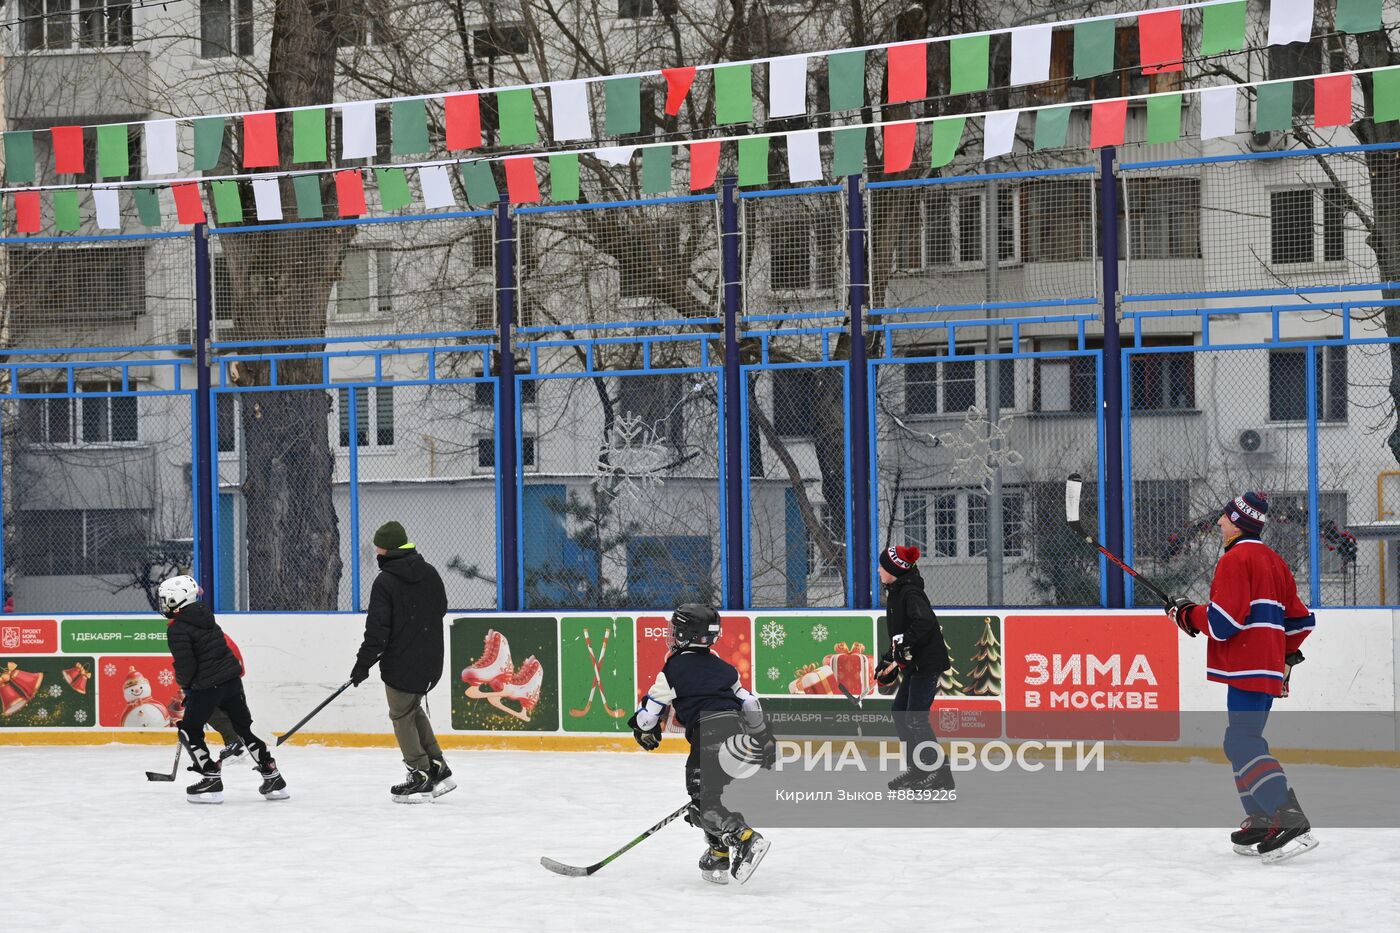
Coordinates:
[794,392]
[359,24]
[484,393]
[49,24]
[500,41]
[61,289]
[951,226]
[226,411]
[483,246]
[225,28]
[1066,383]
[486,453]
[1162,381]
[1165,218]
[634,9]
[96,420]
[954,386]
[817,564]
[1013,522]
[1295,237]
[365,289]
[223,289]
[802,254]
[1057,221]
[953,524]
[1289,529]
[1161,510]
[1127,80]
[376,422]
[108,418]
[47,420]
[655,402]
[1288,393]
[66,542]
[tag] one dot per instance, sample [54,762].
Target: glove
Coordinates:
[648,739]
[767,748]
[887,669]
[359,675]
[900,650]
[1179,611]
[1289,660]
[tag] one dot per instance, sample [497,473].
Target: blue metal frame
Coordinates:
[731,543]
[1111,404]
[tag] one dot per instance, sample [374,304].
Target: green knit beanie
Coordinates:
[390,536]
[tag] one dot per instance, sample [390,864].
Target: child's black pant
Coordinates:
[200,705]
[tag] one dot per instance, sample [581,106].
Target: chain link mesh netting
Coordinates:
[97,495]
[795,254]
[621,504]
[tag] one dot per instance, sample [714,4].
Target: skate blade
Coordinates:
[718,876]
[412,798]
[276,795]
[205,798]
[745,869]
[1293,849]
[1247,850]
[446,785]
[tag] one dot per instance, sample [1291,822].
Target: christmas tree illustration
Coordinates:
[948,684]
[986,664]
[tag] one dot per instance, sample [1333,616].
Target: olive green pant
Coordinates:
[412,729]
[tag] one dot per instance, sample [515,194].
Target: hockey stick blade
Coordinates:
[174,768]
[573,871]
[1073,487]
[153,776]
[307,718]
[559,868]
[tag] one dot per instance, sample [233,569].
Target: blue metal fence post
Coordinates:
[204,473]
[1112,377]
[861,439]
[734,492]
[352,417]
[508,587]
[1314,524]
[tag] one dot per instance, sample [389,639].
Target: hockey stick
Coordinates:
[1073,486]
[859,701]
[307,718]
[174,769]
[559,868]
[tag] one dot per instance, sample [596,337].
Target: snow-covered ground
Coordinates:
[91,845]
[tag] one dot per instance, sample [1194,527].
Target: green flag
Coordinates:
[848,151]
[753,161]
[65,210]
[147,205]
[307,190]
[946,136]
[1385,95]
[480,185]
[563,178]
[517,114]
[1093,47]
[408,127]
[228,206]
[622,106]
[208,142]
[1051,127]
[969,60]
[19,157]
[393,189]
[845,81]
[1273,107]
[656,170]
[1163,118]
[308,136]
[113,156]
[1222,28]
[734,94]
[1355,16]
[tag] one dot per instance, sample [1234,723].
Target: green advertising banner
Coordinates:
[811,655]
[115,636]
[974,649]
[46,692]
[504,673]
[597,673]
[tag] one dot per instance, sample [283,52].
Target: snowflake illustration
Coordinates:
[80,716]
[774,673]
[634,458]
[979,447]
[109,669]
[772,634]
[819,632]
[55,691]
[165,677]
[41,713]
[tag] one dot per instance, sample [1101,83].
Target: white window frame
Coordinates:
[817,566]
[379,293]
[241,14]
[531,464]
[76,10]
[1319,261]
[76,439]
[956,198]
[923,511]
[367,414]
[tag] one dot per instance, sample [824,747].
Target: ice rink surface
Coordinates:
[92,845]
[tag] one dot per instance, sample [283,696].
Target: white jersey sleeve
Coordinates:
[654,704]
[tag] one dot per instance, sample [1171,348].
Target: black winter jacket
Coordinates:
[909,613]
[403,628]
[202,656]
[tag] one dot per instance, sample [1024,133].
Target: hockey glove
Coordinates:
[1290,660]
[767,748]
[1180,611]
[900,650]
[648,739]
[359,675]
[887,670]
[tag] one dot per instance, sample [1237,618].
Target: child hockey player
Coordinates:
[1256,624]
[211,676]
[716,712]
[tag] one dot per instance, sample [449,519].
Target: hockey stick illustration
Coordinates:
[174,769]
[1073,487]
[597,680]
[559,868]
[307,718]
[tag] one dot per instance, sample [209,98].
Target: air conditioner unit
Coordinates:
[1267,141]
[1255,441]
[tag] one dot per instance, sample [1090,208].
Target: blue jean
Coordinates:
[1259,778]
[912,703]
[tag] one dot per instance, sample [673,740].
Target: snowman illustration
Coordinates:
[142,711]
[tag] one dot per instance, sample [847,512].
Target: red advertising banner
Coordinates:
[1092,677]
[735,645]
[966,719]
[29,636]
[137,692]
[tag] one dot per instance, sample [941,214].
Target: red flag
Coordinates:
[68,149]
[26,211]
[260,140]
[350,193]
[189,209]
[463,121]
[1159,38]
[522,185]
[1332,100]
[678,82]
[908,77]
[1106,123]
[704,165]
[899,146]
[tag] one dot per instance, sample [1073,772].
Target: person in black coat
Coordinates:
[403,634]
[918,656]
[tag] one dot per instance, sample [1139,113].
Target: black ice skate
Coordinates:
[1290,836]
[209,788]
[906,779]
[1254,830]
[746,849]
[274,786]
[441,776]
[714,864]
[940,780]
[417,789]
[232,751]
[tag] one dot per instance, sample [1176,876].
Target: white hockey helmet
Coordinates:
[176,593]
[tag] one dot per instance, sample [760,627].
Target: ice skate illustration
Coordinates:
[523,688]
[489,673]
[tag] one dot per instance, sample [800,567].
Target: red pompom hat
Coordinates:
[899,559]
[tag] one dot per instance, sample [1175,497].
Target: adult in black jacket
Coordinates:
[918,656]
[403,634]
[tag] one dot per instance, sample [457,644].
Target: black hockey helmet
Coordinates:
[694,624]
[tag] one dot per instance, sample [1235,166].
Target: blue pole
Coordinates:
[204,479]
[858,532]
[353,417]
[508,587]
[1113,379]
[735,592]
[1314,524]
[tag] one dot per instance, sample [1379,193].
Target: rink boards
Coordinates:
[104,677]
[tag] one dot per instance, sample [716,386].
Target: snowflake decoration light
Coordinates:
[819,632]
[634,458]
[109,670]
[55,691]
[774,673]
[80,716]
[41,713]
[980,446]
[165,677]
[772,634]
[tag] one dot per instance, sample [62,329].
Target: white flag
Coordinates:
[570,106]
[1030,55]
[616,155]
[267,198]
[1218,112]
[787,86]
[437,187]
[162,157]
[999,133]
[357,138]
[109,212]
[804,156]
[1290,21]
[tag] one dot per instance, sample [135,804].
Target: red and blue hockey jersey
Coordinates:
[1254,619]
